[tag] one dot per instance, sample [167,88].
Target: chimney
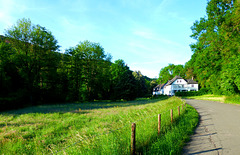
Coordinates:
[192,77]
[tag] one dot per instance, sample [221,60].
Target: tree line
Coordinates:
[215,62]
[32,70]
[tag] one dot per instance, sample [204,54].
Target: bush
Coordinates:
[202,91]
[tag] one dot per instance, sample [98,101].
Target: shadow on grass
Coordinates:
[80,107]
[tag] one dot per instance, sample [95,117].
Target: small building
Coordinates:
[177,84]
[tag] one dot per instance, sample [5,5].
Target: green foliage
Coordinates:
[170,71]
[233,99]
[31,66]
[216,53]
[142,84]
[215,60]
[9,78]
[123,82]
[88,71]
[173,140]
[202,91]
[32,57]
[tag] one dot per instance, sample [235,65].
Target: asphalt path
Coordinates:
[218,131]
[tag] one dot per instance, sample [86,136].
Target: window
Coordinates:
[192,85]
[180,86]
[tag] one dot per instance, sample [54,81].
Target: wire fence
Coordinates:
[119,140]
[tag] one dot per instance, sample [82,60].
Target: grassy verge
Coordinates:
[234,99]
[210,97]
[174,139]
[91,128]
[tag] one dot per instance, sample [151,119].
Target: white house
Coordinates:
[177,84]
[159,89]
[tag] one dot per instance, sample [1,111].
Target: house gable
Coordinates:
[179,81]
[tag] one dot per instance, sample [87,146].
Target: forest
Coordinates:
[33,71]
[215,62]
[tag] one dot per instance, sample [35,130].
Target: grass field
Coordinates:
[96,128]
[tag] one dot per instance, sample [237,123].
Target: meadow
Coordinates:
[97,128]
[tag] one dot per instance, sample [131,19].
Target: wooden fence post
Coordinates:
[182,106]
[171,113]
[133,140]
[179,111]
[159,124]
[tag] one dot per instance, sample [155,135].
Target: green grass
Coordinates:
[210,97]
[234,99]
[175,138]
[93,128]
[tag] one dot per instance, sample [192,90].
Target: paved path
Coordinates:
[218,131]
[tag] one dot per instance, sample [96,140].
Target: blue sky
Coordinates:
[146,34]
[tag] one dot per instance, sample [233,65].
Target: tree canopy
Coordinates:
[33,71]
[216,53]
[215,61]
[170,71]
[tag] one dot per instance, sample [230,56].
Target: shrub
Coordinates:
[202,91]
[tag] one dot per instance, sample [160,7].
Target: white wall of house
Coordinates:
[193,87]
[167,90]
